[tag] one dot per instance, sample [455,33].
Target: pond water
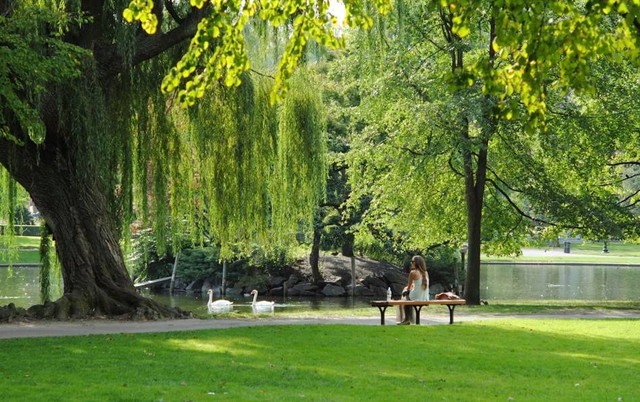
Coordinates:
[510,281]
[197,304]
[21,286]
[504,281]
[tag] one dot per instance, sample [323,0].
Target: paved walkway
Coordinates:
[91,327]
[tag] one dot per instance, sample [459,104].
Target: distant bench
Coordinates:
[417,306]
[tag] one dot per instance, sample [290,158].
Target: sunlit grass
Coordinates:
[26,241]
[549,306]
[502,360]
[26,251]
[584,252]
[236,347]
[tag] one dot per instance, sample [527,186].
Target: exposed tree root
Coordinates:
[69,307]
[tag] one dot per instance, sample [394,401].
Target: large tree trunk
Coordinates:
[69,197]
[96,282]
[474,223]
[475,181]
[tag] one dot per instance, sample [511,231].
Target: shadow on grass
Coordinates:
[491,360]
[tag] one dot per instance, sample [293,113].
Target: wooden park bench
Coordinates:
[417,306]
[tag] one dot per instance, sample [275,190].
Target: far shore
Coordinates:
[576,256]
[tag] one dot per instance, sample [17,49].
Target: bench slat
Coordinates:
[417,306]
[376,303]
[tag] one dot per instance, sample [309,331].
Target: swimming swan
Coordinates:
[218,306]
[261,306]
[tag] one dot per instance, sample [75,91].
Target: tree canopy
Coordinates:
[462,136]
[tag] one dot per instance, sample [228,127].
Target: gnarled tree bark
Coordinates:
[71,201]
[96,282]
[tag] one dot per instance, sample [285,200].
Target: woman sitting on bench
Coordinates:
[417,288]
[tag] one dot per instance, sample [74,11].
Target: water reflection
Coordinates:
[21,286]
[559,282]
[198,304]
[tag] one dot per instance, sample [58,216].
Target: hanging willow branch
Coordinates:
[45,263]
[234,170]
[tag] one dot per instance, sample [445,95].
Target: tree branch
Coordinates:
[172,12]
[627,198]
[262,74]
[624,163]
[514,206]
[111,62]
[504,183]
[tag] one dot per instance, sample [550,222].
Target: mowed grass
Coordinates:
[25,251]
[492,360]
[584,252]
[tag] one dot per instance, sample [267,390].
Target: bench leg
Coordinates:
[451,308]
[417,310]
[382,310]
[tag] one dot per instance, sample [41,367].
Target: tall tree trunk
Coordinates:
[474,224]
[474,195]
[314,256]
[347,244]
[475,183]
[96,282]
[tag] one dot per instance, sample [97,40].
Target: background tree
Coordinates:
[333,222]
[441,145]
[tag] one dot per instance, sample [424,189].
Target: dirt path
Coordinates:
[93,327]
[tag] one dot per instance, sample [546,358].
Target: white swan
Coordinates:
[218,306]
[261,306]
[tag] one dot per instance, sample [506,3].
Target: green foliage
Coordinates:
[22,216]
[541,45]
[218,53]
[13,215]
[8,203]
[47,256]
[401,143]
[196,262]
[232,171]
[414,123]
[34,55]
[146,260]
[254,171]
[301,154]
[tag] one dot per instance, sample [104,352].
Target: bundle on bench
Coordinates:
[417,306]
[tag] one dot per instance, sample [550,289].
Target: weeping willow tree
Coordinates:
[97,135]
[255,171]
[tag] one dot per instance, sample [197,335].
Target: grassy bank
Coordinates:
[496,307]
[26,251]
[584,252]
[520,360]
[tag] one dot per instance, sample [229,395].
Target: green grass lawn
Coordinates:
[615,248]
[584,252]
[26,251]
[24,256]
[493,360]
